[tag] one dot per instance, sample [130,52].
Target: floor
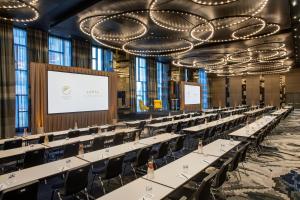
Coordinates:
[275,172]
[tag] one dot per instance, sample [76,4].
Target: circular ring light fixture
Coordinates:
[16,5]
[214,3]
[139,28]
[186,46]
[238,34]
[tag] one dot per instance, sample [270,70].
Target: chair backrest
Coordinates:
[73,134]
[203,192]
[222,174]
[177,118]
[42,138]
[76,180]
[111,128]
[178,127]
[141,125]
[179,143]
[163,149]
[118,138]
[235,161]
[28,191]
[34,157]
[143,156]
[98,143]
[11,144]
[244,152]
[71,149]
[114,167]
[169,128]
[93,130]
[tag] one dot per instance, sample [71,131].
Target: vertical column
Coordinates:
[282,90]
[227,95]
[262,90]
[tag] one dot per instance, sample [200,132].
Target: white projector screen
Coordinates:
[191,94]
[70,92]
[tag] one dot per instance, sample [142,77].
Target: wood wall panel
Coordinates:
[218,92]
[252,90]
[235,91]
[56,122]
[272,90]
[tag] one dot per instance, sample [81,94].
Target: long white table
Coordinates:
[18,151]
[160,125]
[251,129]
[171,176]
[55,134]
[39,172]
[106,153]
[280,111]
[201,127]
[137,190]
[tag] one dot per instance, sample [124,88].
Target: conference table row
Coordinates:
[18,152]
[44,171]
[173,175]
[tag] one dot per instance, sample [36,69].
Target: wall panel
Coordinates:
[272,90]
[56,122]
[252,91]
[235,90]
[218,92]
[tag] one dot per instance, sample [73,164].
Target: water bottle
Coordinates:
[150,170]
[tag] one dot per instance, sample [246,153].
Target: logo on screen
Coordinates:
[66,90]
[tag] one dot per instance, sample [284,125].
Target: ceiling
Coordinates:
[225,37]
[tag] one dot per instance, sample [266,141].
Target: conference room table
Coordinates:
[57,134]
[216,110]
[235,111]
[87,138]
[117,150]
[201,127]
[252,128]
[170,117]
[156,126]
[39,172]
[173,175]
[11,154]
[280,111]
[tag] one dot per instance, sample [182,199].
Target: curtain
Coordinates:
[37,82]
[7,81]
[37,45]
[81,53]
[151,81]
[132,84]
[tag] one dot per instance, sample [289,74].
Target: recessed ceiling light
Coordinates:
[294,3]
[295,17]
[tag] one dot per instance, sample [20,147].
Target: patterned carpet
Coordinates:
[275,172]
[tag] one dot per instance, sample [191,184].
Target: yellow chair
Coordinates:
[157,104]
[142,106]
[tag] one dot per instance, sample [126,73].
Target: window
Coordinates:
[21,70]
[204,86]
[102,59]
[59,51]
[162,84]
[141,81]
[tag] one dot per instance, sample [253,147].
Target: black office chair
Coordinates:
[76,181]
[177,149]
[161,153]
[71,149]
[169,128]
[11,144]
[42,138]
[112,170]
[221,176]
[140,161]
[34,157]
[111,128]
[28,191]
[73,134]
[178,128]
[118,138]
[98,143]
[93,130]
[202,192]
[141,125]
